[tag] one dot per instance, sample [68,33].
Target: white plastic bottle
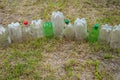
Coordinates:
[4,39]
[58,23]
[105,34]
[115,37]
[26,31]
[80,29]
[69,32]
[15,32]
[37,28]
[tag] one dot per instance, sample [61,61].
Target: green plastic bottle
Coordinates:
[48,29]
[93,34]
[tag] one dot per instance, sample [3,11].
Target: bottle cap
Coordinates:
[66,21]
[25,22]
[96,26]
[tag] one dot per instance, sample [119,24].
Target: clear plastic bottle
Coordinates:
[15,32]
[80,29]
[69,32]
[4,39]
[26,31]
[115,37]
[37,28]
[58,23]
[105,34]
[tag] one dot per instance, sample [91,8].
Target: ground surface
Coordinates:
[59,59]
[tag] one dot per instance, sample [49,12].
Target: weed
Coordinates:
[96,72]
[97,47]
[108,56]
[68,66]
[50,76]
[16,71]
[98,75]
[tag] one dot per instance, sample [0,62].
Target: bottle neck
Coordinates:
[26,25]
[96,28]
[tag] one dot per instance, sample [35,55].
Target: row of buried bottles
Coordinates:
[58,27]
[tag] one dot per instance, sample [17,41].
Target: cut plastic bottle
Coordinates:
[115,37]
[58,23]
[69,32]
[37,28]
[48,30]
[26,31]
[15,33]
[80,26]
[94,34]
[4,38]
[105,34]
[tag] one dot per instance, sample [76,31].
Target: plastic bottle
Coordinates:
[11,31]
[26,31]
[80,26]
[94,34]
[115,37]
[69,31]
[105,34]
[4,39]
[37,28]
[58,23]
[15,32]
[48,30]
